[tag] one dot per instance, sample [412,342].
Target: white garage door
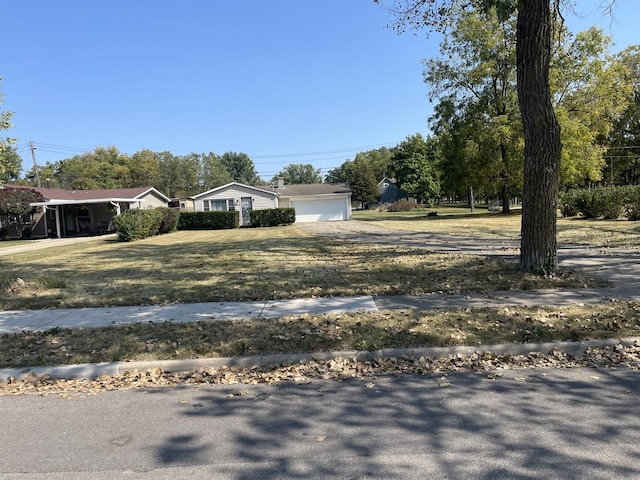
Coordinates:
[320,210]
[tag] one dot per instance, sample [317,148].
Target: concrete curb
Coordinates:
[93,370]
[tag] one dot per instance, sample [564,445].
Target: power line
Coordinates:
[64,149]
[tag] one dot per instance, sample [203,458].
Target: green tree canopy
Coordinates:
[241,168]
[6,156]
[15,205]
[623,142]
[11,165]
[298,173]
[214,174]
[414,162]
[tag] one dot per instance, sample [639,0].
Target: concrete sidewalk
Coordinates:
[40,320]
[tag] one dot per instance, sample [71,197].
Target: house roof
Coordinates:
[233,184]
[313,189]
[59,195]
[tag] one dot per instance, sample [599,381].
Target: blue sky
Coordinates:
[285,81]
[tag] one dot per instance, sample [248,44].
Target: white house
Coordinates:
[319,202]
[236,196]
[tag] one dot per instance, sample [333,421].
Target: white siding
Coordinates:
[151,201]
[321,209]
[260,200]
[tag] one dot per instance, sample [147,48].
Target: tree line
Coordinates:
[476,149]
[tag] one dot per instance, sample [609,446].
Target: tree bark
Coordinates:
[538,249]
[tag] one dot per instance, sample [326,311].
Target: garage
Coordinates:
[319,202]
[321,210]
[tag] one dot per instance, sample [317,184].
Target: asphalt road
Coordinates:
[526,424]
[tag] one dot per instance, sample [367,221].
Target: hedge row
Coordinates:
[208,220]
[605,202]
[273,217]
[137,224]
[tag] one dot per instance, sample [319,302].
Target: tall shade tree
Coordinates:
[214,174]
[145,169]
[105,167]
[590,89]
[415,168]
[5,142]
[623,142]
[362,181]
[179,175]
[477,74]
[542,143]
[11,165]
[241,168]
[298,173]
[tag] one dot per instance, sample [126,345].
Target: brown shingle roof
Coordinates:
[313,189]
[80,195]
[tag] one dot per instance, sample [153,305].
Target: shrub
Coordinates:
[137,224]
[170,219]
[605,202]
[568,206]
[631,197]
[272,217]
[4,234]
[402,206]
[208,220]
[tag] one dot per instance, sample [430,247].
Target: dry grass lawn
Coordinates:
[242,265]
[318,333]
[285,262]
[460,222]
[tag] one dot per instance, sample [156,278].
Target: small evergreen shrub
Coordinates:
[4,234]
[208,220]
[272,217]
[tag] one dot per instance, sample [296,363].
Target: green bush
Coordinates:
[170,219]
[402,206]
[605,202]
[631,197]
[208,220]
[568,205]
[137,224]
[4,234]
[272,217]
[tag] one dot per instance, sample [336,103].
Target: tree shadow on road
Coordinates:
[570,424]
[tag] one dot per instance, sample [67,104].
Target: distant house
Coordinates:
[312,203]
[67,213]
[390,192]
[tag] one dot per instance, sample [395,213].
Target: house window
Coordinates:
[218,205]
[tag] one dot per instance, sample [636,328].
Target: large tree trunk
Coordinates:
[541,136]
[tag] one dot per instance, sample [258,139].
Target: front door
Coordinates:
[246,204]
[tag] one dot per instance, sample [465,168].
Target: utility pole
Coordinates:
[35,164]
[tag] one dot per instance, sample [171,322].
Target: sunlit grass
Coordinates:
[246,264]
[461,222]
